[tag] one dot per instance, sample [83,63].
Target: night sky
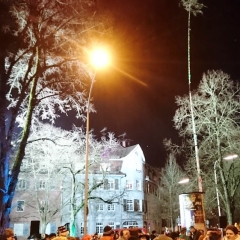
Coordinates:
[150,46]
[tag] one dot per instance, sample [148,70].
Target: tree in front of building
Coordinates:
[53,168]
[169,190]
[216,109]
[42,173]
[42,74]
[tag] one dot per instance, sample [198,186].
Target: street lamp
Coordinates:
[99,58]
[229,157]
[185,180]
[216,185]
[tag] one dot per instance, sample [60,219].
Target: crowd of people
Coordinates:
[231,232]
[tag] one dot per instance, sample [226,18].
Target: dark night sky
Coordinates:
[150,44]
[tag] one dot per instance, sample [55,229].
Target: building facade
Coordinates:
[127,197]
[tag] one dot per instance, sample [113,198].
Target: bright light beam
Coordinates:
[230,157]
[131,77]
[100,58]
[185,180]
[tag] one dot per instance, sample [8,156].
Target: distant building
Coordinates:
[127,176]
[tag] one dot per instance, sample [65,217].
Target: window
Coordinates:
[99,227]
[129,205]
[116,184]
[111,224]
[129,185]
[111,184]
[130,224]
[111,207]
[100,207]
[100,182]
[21,184]
[82,229]
[20,206]
[18,229]
[137,205]
[138,185]
[25,164]
[43,167]
[42,184]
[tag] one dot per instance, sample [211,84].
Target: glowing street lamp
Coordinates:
[229,157]
[185,180]
[99,58]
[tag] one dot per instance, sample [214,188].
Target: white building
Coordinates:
[128,178]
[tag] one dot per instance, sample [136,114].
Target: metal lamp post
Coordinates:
[99,58]
[230,157]
[216,186]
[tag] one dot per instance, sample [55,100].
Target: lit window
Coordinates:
[20,206]
[129,185]
[99,227]
[111,207]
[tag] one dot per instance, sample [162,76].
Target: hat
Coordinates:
[107,231]
[62,231]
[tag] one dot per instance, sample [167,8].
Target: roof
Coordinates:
[122,152]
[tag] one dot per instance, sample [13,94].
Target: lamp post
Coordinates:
[216,186]
[229,157]
[99,58]
[184,180]
[217,192]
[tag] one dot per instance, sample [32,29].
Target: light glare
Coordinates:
[230,157]
[99,58]
[185,180]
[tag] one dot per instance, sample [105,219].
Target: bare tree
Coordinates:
[216,107]
[55,163]
[41,74]
[42,170]
[170,189]
[99,154]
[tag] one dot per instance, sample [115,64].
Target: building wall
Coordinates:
[28,207]
[135,206]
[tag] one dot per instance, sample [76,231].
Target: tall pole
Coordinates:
[216,185]
[85,223]
[217,191]
[191,107]
[99,58]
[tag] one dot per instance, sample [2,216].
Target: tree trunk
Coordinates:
[10,178]
[73,227]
